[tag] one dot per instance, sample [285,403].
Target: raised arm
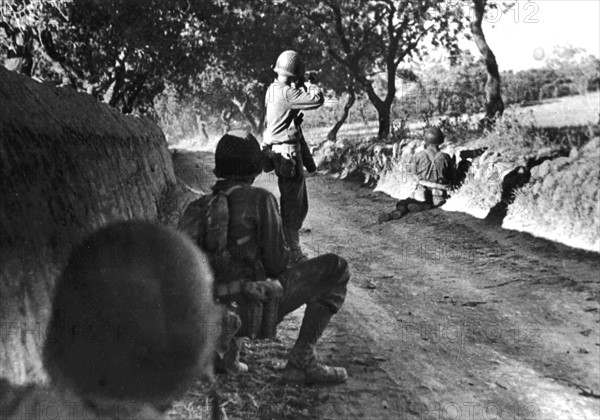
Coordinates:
[309,98]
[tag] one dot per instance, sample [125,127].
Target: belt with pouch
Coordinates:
[286,149]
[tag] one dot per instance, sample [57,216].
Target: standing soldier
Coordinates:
[285,145]
[251,271]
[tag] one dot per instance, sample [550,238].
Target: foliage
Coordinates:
[457,89]
[576,67]
[368,37]
[121,51]
[509,146]
[365,160]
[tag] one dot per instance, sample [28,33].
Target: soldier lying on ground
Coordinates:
[250,264]
[133,321]
[437,173]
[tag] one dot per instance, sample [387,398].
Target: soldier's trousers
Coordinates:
[294,197]
[321,280]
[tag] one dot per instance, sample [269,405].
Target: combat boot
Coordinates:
[292,237]
[303,365]
[230,361]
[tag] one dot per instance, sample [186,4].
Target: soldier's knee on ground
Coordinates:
[133,315]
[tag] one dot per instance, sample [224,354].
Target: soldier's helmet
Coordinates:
[133,315]
[434,136]
[238,155]
[290,64]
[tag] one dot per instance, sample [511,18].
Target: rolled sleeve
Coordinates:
[311,98]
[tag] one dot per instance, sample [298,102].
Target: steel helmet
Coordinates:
[434,136]
[238,154]
[290,64]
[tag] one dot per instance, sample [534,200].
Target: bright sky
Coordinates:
[515,35]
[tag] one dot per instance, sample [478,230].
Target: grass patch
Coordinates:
[508,146]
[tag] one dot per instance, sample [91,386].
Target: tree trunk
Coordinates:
[383,117]
[136,87]
[243,108]
[226,120]
[494,105]
[332,135]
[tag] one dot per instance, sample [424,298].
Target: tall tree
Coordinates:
[494,106]
[373,36]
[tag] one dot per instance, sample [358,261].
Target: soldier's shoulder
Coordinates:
[259,194]
[200,201]
[262,192]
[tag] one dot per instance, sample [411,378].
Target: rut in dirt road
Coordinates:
[448,317]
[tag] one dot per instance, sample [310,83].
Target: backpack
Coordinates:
[432,159]
[206,221]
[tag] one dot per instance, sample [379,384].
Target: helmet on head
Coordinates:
[434,136]
[290,64]
[238,155]
[130,314]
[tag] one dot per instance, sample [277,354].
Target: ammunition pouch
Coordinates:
[259,309]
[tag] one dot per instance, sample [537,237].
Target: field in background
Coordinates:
[566,111]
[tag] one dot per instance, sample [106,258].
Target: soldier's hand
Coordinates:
[312,78]
[299,119]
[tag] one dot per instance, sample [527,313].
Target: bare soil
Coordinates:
[447,317]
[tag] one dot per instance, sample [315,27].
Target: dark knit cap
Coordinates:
[133,314]
[434,136]
[238,155]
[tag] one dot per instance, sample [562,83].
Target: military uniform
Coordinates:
[259,253]
[433,167]
[436,171]
[288,149]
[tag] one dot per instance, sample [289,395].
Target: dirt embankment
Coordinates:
[69,165]
[545,179]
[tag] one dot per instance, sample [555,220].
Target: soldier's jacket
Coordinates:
[435,166]
[283,104]
[37,402]
[254,213]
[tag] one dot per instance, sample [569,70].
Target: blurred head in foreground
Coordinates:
[133,315]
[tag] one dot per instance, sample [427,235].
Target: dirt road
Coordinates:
[451,318]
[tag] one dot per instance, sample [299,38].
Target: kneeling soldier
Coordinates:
[251,268]
[437,174]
